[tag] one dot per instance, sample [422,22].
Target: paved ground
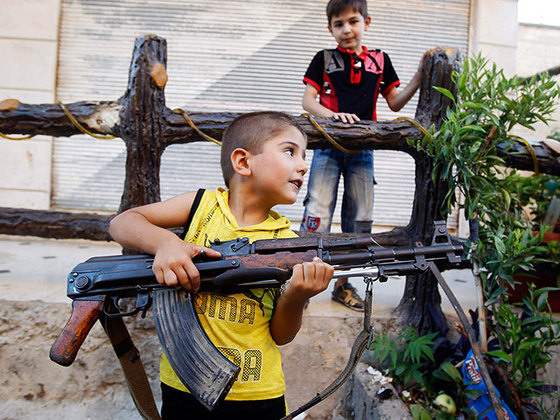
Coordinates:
[36,269]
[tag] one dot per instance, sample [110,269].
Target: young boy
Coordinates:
[263,164]
[347,80]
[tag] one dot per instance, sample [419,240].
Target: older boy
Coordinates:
[347,80]
[263,165]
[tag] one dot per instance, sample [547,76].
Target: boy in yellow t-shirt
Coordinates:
[263,163]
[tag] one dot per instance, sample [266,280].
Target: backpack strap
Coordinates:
[376,62]
[332,61]
[194,207]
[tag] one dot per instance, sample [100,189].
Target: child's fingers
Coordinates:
[177,273]
[297,273]
[346,118]
[212,253]
[323,272]
[193,277]
[309,273]
[317,274]
[183,278]
[159,274]
[327,270]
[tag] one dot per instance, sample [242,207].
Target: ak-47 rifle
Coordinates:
[97,285]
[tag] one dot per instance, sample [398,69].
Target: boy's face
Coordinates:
[279,169]
[348,29]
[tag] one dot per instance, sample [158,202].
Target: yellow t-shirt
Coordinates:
[237,324]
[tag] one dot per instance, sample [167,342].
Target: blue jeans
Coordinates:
[357,202]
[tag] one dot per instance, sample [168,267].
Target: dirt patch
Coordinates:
[35,387]
[94,387]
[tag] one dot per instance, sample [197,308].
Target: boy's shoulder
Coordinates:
[330,56]
[332,60]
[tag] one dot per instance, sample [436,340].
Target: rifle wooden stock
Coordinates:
[84,314]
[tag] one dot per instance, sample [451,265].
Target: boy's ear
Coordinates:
[367,23]
[240,161]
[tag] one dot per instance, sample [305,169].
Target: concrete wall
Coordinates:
[494,32]
[28,41]
[538,50]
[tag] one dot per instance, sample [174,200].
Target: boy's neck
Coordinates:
[359,50]
[247,209]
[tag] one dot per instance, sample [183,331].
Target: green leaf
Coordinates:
[499,354]
[445,92]
[473,394]
[451,371]
[500,247]
[419,413]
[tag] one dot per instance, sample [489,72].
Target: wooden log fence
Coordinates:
[147,126]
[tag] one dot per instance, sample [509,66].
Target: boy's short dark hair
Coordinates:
[250,132]
[336,7]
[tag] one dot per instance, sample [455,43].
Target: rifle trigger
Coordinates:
[114,304]
[143,303]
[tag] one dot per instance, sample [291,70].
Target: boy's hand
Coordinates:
[309,103]
[308,279]
[345,117]
[173,265]
[430,53]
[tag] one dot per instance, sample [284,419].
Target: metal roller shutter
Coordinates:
[227,55]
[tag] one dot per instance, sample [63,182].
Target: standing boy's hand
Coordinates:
[310,104]
[345,117]
[174,266]
[397,100]
[429,53]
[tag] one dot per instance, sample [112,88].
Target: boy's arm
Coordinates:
[310,104]
[146,229]
[397,100]
[308,279]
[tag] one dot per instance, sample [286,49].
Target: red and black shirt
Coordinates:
[348,82]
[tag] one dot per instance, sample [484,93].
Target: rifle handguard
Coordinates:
[255,274]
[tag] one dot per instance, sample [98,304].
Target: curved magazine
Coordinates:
[200,366]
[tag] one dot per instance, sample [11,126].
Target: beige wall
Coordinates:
[494,32]
[539,50]
[28,42]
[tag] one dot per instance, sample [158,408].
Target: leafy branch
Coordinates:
[487,107]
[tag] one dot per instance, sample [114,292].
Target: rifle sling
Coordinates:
[360,344]
[124,347]
[131,364]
